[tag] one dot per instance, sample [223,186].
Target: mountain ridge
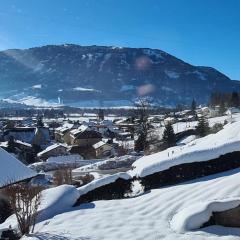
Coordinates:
[103,75]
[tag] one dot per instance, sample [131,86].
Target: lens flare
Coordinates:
[143,63]
[145,89]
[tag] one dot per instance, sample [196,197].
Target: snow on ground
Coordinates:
[12,170]
[127,88]
[65,158]
[202,149]
[113,163]
[187,140]
[53,201]
[60,162]
[172,74]
[34,101]
[148,216]
[183,126]
[38,86]
[57,200]
[85,89]
[193,217]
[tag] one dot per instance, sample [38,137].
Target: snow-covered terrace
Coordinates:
[202,149]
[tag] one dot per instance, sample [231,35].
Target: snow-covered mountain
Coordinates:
[106,76]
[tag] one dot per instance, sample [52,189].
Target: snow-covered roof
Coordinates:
[50,148]
[24,134]
[24,143]
[4,144]
[169,119]
[107,122]
[65,127]
[12,170]
[82,128]
[99,144]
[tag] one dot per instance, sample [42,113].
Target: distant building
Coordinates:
[124,136]
[53,151]
[169,120]
[62,134]
[24,134]
[232,110]
[102,149]
[84,136]
[39,136]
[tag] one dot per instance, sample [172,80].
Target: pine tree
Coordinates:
[140,143]
[235,99]
[222,108]
[40,122]
[203,128]
[101,114]
[169,136]
[11,144]
[193,106]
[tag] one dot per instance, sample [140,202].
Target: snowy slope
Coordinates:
[12,170]
[53,201]
[147,217]
[202,149]
[194,216]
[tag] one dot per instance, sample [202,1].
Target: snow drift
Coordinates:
[203,149]
[193,217]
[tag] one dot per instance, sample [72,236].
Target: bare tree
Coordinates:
[24,200]
[63,176]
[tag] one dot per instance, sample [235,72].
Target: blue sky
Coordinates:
[201,32]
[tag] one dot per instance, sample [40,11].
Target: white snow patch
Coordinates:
[168,89]
[57,200]
[152,52]
[72,158]
[193,217]
[38,86]
[187,140]
[53,201]
[171,74]
[106,58]
[127,88]
[34,101]
[85,89]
